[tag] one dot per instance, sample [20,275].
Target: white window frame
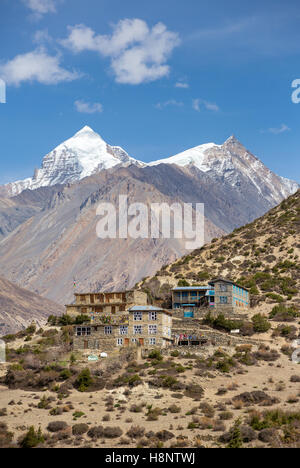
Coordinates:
[123,330]
[223,287]
[223,301]
[119,341]
[152,316]
[108,330]
[152,329]
[137,316]
[136,328]
[152,341]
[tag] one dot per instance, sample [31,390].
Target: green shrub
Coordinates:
[84,380]
[260,323]
[32,438]
[183,283]
[155,354]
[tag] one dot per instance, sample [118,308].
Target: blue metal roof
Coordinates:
[192,288]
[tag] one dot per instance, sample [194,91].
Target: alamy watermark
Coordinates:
[152,221]
[2,92]
[296,353]
[2,352]
[296,93]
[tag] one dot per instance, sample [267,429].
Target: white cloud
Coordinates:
[276,131]
[36,66]
[182,85]
[171,102]
[41,7]
[42,36]
[138,53]
[197,103]
[88,107]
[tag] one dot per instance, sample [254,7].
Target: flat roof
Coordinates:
[191,288]
[104,292]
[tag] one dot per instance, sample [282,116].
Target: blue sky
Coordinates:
[153,77]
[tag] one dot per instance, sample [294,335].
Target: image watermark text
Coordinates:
[154,221]
[2,92]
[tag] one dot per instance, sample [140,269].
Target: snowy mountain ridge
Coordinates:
[86,153]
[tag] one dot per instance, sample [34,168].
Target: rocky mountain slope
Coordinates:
[82,155]
[264,256]
[48,235]
[59,244]
[233,163]
[16,210]
[19,307]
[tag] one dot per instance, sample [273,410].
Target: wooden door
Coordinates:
[86,344]
[126,341]
[141,340]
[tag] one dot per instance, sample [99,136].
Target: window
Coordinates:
[137,329]
[152,329]
[152,341]
[223,299]
[194,293]
[185,294]
[152,315]
[120,342]
[133,340]
[123,330]
[223,287]
[108,330]
[138,316]
[83,331]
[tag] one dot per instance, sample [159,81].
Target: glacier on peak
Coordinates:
[82,155]
[87,153]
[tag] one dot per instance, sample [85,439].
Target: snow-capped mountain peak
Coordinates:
[233,164]
[194,156]
[80,156]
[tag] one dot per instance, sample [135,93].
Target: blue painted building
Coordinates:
[219,293]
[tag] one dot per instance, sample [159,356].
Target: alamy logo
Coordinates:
[296,93]
[2,352]
[2,92]
[296,354]
[154,221]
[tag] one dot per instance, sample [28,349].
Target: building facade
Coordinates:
[220,295]
[192,296]
[229,293]
[146,326]
[97,305]
[150,326]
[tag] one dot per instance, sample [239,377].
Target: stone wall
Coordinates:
[228,311]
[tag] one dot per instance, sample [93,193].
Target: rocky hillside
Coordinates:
[19,307]
[264,256]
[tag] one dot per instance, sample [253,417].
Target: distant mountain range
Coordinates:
[48,222]
[86,153]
